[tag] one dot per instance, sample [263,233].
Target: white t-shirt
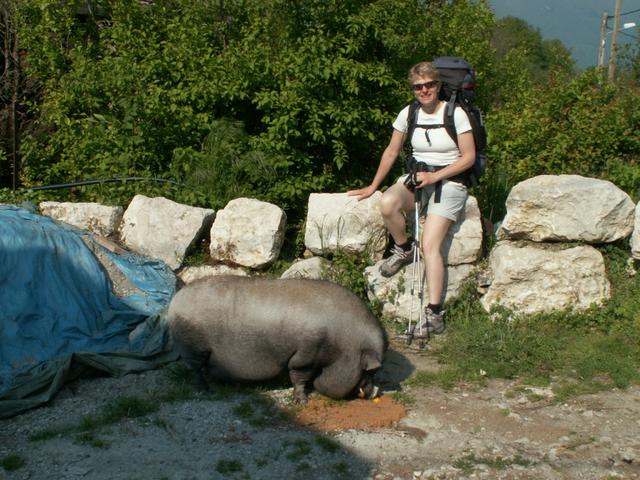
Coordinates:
[442,150]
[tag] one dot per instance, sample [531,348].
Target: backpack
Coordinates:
[458,83]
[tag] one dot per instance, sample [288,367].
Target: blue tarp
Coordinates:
[59,314]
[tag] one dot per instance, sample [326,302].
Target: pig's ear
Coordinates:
[370,361]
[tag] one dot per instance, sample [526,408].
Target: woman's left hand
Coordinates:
[426,178]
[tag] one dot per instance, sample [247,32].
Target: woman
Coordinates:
[436,152]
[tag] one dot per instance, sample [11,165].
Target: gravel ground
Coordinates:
[496,431]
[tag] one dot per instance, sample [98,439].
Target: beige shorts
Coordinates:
[452,199]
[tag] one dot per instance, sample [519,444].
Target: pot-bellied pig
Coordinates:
[239,328]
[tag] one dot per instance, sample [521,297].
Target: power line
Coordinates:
[100,181]
[625,13]
[629,35]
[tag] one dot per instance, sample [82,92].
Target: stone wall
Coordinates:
[544,258]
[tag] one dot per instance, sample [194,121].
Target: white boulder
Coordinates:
[163,229]
[99,219]
[533,278]
[567,208]
[248,232]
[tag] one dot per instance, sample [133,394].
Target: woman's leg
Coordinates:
[395,200]
[434,232]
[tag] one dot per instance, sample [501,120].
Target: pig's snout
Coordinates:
[370,394]
[366,388]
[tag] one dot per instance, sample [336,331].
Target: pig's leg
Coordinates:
[198,362]
[301,364]
[301,380]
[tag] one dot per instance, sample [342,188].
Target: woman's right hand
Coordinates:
[362,193]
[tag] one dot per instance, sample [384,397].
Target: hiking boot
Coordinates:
[398,259]
[433,324]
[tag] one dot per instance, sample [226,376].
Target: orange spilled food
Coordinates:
[381,412]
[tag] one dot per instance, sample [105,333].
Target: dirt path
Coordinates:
[497,431]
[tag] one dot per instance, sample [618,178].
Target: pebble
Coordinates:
[628,456]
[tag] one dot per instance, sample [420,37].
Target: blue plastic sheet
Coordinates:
[57,301]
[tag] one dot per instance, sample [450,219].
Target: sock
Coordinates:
[435,308]
[406,246]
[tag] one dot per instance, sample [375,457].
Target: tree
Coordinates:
[9,93]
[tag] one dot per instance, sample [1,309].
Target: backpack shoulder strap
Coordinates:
[449,121]
[412,120]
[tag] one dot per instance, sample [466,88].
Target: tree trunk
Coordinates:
[9,91]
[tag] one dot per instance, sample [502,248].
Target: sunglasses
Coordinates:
[428,85]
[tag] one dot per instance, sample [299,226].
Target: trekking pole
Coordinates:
[418,253]
[416,270]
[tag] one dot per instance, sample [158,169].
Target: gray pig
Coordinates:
[243,328]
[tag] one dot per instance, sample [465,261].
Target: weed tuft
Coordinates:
[468,462]
[228,467]
[328,444]
[12,462]
[259,411]
[299,449]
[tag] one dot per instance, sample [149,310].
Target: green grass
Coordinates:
[12,462]
[470,460]
[228,467]
[328,445]
[402,398]
[297,450]
[259,411]
[113,412]
[341,470]
[580,352]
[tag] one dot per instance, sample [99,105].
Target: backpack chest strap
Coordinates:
[430,126]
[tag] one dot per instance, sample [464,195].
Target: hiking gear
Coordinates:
[458,83]
[412,179]
[398,259]
[434,307]
[417,273]
[433,324]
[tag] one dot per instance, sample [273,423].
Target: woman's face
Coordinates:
[426,90]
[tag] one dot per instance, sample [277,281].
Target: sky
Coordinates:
[575,22]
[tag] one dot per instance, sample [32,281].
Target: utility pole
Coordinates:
[603,39]
[614,42]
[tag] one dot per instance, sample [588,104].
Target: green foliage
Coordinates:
[223,169]
[347,269]
[570,127]
[302,95]
[541,56]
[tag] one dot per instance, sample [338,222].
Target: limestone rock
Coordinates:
[567,208]
[100,219]
[336,221]
[532,278]
[635,237]
[163,229]
[191,274]
[248,232]
[463,243]
[307,268]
